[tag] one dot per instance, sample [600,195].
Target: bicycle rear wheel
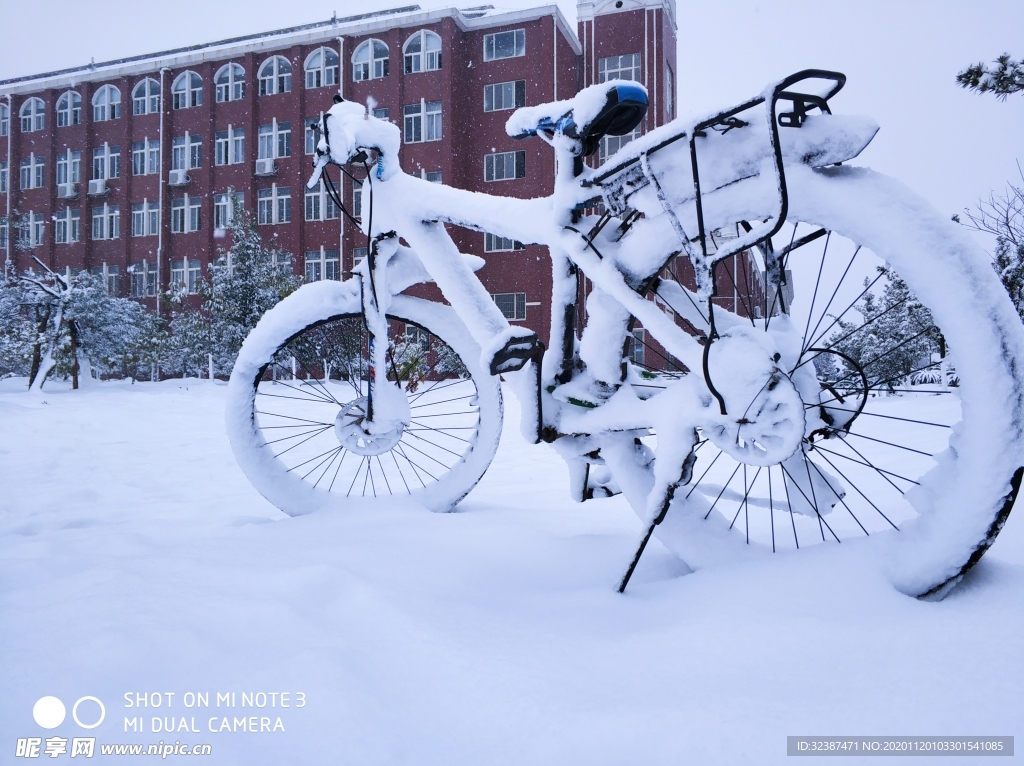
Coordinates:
[895,440]
[299,393]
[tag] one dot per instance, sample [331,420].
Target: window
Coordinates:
[625,67]
[67,225]
[670,93]
[319,206]
[69,167]
[512,305]
[143,279]
[382,113]
[370,61]
[504,95]
[186,152]
[145,157]
[224,208]
[636,347]
[3,177]
[5,120]
[495,244]
[275,140]
[504,166]
[33,115]
[145,219]
[274,205]
[229,146]
[111,276]
[321,264]
[146,97]
[611,144]
[186,274]
[505,45]
[357,199]
[106,162]
[187,91]
[69,109]
[275,76]
[106,222]
[422,52]
[282,262]
[311,134]
[433,176]
[230,82]
[185,214]
[321,68]
[31,229]
[358,256]
[3,233]
[423,122]
[32,172]
[106,104]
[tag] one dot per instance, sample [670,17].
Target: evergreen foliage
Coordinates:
[1006,77]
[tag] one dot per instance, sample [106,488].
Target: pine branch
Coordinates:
[1006,77]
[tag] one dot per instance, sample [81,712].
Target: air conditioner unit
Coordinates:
[266,168]
[178,178]
[67,191]
[98,186]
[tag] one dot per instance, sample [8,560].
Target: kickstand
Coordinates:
[637,555]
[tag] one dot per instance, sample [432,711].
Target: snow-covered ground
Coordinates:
[136,558]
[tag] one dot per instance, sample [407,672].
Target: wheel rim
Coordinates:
[878,424]
[297,409]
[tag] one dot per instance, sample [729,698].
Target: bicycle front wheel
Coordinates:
[301,383]
[900,437]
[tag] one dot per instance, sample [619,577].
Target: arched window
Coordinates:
[106,104]
[275,76]
[230,82]
[187,91]
[33,115]
[370,61]
[69,109]
[146,97]
[322,68]
[5,120]
[422,52]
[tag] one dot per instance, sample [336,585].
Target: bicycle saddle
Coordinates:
[612,108]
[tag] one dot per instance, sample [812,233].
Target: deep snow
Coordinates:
[137,558]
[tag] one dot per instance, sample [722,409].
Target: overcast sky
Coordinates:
[901,58]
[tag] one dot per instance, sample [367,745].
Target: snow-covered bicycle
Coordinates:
[714,292]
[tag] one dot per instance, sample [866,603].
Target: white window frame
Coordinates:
[357,199]
[279,143]
[518,45]
[367,63]
[322,74]
[187,90]
[186,152]
[229,146]
[325,265]
[224,208]
[69,109]
[67,228]
[233,86]
[518,307]
[4,233]
[69,167]
[186,214]
[146,156]
[425,58]
[274,208]
[427,118]
[106,104]
[618,68]
[637,343]
[273,79]
[148,213]
[310,135]
[149,101]
[318,204]
[358,256]
[143,279]
[491,166]
[32,172]
[33,115]
[106,222]
[5,120]
[496,95]
[611,144]
[186,273]
[4,177]
[111,276]
[106,162]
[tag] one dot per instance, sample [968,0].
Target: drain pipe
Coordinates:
[160,196]
[10,176]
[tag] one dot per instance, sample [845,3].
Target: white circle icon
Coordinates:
[49,712]
[74,713]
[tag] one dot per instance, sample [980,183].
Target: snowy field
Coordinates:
[136,558]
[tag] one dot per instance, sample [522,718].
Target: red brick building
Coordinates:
[124,167]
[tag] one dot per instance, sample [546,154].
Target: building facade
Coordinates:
[128,168]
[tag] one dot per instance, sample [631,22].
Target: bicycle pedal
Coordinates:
[515,354]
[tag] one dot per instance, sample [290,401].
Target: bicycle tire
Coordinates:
[960,497]
[275,427]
